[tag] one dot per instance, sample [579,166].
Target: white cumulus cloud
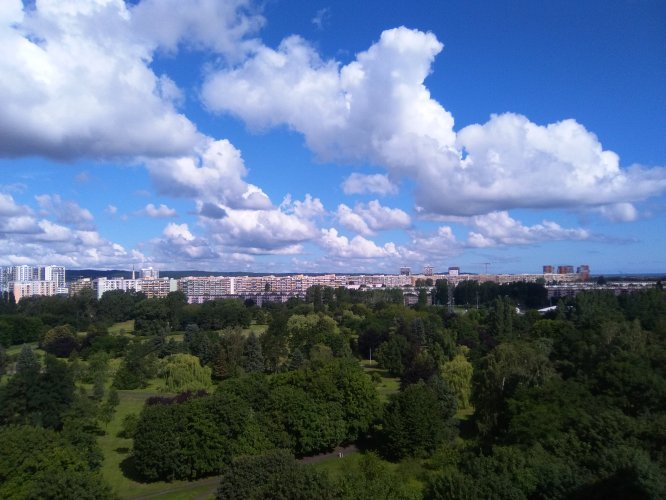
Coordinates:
[213,174]
[373,217]
[499,228]
[151,210]
[374,184]
[378,109]
[356,248]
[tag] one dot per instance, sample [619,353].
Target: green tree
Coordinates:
[4,361]
[60,341]
[39,463]
[372,479]
[392,355]
[183,372]
[458,374]
[272,475]
[228,359]
[414,424]
[253,357]
[194,438]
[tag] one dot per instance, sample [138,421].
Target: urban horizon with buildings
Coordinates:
[48,280]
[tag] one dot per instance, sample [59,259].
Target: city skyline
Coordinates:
[307,136]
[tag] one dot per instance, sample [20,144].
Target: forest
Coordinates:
[347,394]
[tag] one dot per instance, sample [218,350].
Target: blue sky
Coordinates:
[288,136]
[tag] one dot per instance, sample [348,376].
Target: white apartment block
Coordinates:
[152,287]
[101,285]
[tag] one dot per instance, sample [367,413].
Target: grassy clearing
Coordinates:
[336,467]
[387,385]
[465,413]
[257,329]
[122,328]
[409,470]
[15,349]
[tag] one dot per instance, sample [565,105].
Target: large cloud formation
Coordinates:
[377,108]
[79,82]
[77,79]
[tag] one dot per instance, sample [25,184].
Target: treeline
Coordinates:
[492,403]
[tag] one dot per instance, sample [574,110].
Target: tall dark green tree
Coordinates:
[253,358]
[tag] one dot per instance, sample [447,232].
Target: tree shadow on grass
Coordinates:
[128,466]
[123,450]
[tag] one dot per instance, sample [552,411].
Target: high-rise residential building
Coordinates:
[565,269]
[4,280]
[102,285]
[22,273]
[547,269]
[405,271]
[584,272]
[454,271]
[428,271]
[52,273]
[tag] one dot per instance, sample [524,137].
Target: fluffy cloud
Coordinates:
[442,243]
[213,174]
[9,207]
[498,228]
[261,231]
[375,184]
[201,24]
[373,217]
[151,210]
[27,238]
[619,212]
[307,209]
[65,212]
[89,57]
[356,248]
[178,244]
[377,109]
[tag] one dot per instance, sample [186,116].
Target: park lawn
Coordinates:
[408,470]
[122,328]
[464,414]
[257,329]
[16,349]
[387,385]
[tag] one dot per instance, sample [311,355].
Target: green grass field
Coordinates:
[123,328]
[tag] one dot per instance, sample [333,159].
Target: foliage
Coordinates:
[60,341]
[271,475]
[183,372]
[416,421]
[16,329]
[194,438]
[226,313]
[39,463]
[31,397]
[139,365]
[458,374]
[4,361]
[253,357]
